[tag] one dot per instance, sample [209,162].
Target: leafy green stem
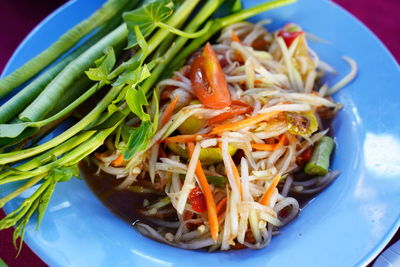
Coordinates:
[90,117]
[49,155]
[21,189]
[190,35]
[13,217]
[250,12]
[179,16]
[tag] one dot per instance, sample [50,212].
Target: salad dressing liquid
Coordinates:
[125,204]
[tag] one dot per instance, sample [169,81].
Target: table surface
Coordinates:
[20,16]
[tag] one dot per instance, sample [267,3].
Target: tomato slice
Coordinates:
[197,200]
[208,80]
[289,33]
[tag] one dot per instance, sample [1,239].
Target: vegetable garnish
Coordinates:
[319,162]
[303,124]
[232,112]
[268,194]
[221,204]
[183,138]
[236,175]
[289,33]
[197,200]
[235,38]
[211,207]
[169,111]
[234,126]
[118,161]
[270,147]
[208,80]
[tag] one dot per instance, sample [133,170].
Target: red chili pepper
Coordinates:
[304,157]
[289,34]
[197,200]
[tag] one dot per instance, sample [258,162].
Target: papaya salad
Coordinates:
[242,133]
[219,138]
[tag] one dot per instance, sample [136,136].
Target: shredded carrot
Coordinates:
[234,126]
[221,217]
[221,204]
[235,38]
[281,142]
[263,147]
[118,161]
[268,194]
[270,147]
[237,54]
[205,187]
[184,138]
[169,111]
[229,114]
[237,176]
[239,103]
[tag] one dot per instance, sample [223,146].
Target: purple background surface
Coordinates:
[19,17]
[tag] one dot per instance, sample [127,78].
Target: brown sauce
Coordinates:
[126,204]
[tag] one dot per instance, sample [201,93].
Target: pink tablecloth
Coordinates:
[20,16]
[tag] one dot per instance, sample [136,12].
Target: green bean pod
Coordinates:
[62,45]
[319,162]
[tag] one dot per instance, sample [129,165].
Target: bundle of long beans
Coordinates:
[154,34]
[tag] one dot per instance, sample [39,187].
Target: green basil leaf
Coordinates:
[136,99]
[146,18]
[104,65]
[138,140]
[133,77]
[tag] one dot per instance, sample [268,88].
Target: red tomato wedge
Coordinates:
[197,200]
[289,33]
[208,80]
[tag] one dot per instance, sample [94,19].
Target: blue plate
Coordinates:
[346,225]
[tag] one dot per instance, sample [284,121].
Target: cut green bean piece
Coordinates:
[319,162]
